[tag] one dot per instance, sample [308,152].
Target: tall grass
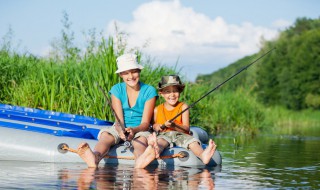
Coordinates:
[66,85]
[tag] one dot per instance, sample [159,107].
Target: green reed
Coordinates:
[67,85]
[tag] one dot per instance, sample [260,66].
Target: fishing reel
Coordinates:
[127,144]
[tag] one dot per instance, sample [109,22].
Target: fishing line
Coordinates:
[126,143]
[218,86]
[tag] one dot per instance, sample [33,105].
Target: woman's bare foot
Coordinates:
[151,152]
[208,152]
[152,141]
[87,155]
[86,178]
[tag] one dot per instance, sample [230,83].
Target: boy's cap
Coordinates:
[170,80]
[127,62]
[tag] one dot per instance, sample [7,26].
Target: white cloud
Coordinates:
[174,31]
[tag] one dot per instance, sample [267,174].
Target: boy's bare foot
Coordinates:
[87,155]
[208,152]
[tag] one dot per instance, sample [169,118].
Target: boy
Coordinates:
[176,132]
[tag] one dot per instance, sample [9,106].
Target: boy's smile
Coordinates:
[171,94]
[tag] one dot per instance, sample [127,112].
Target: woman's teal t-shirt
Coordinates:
[133,115]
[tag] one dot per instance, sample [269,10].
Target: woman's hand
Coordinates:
[130,133]
[121,132]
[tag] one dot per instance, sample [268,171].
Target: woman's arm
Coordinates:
[147,116]
[156,126]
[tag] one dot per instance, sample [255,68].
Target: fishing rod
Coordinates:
[218,86]
[126,142]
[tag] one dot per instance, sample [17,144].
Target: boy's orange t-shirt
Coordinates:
[164,115]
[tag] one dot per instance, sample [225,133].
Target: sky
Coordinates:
[199,36]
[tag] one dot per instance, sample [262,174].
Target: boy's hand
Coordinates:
[157,127]
[169,124]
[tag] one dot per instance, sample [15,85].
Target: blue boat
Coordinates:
[29,134]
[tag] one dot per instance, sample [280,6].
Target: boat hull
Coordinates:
[18,143]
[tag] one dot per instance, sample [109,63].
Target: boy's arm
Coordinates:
[185,118]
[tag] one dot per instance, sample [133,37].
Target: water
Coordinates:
[266,162]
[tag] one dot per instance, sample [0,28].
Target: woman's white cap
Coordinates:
[127,62]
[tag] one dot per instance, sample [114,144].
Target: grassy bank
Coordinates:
[300,123]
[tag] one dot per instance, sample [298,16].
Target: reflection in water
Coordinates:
[250,163]
[284,162]
[126,177]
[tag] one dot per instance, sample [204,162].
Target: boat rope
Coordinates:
[181,154]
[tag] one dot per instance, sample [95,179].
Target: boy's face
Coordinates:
[171,94]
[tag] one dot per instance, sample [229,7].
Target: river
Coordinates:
[263,162]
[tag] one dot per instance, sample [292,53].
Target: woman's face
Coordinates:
[131,77]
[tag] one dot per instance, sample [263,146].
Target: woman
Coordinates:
[133,103]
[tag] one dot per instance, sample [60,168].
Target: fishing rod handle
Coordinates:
[163,126]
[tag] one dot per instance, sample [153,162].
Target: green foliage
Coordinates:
[235,111]
[313,100]
[293,71]
[13,70]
